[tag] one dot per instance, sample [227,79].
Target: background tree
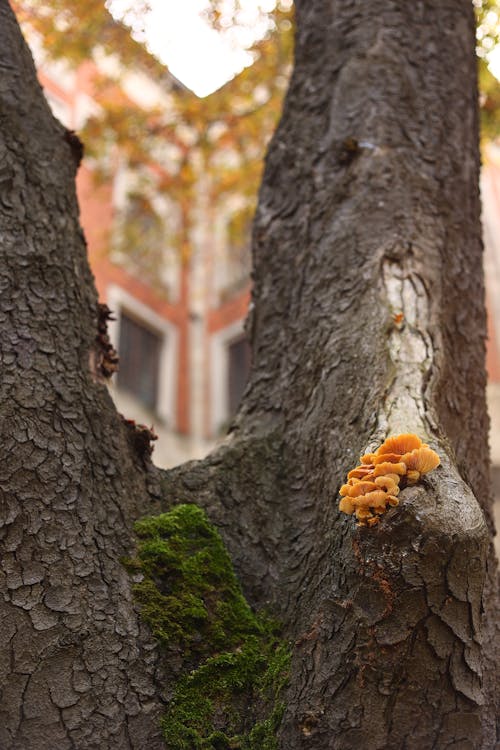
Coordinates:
[368,209]
[220,139]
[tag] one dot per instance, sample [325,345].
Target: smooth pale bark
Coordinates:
[369,207]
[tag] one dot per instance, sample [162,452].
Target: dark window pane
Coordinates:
[239,366]
[139,350]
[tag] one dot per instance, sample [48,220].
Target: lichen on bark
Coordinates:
[232,664]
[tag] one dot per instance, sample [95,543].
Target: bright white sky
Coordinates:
[197,55]
[494,63]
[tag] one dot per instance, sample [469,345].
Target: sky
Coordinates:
[196,54]
[494,63]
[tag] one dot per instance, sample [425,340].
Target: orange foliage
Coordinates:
[220,139]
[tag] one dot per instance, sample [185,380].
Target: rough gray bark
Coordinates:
[369,207]
[75,670]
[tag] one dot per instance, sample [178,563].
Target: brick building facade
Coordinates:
[183,354]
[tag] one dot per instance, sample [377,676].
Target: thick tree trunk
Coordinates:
[369,209]
[73,671]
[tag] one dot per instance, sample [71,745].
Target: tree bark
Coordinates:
[369,208]
[76,667]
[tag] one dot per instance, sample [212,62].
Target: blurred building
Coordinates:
[178,327]
[490,194]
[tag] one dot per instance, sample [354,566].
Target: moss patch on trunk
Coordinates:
[233,663]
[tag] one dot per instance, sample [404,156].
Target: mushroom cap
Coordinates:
[387,484]
[385,468]
[422,459]
[375,499]
[412,476]
[395,477]
[346,505]
[360,472]
[363,513]
[345,489]
[400,444]
[367,458]
[387,458]
[361,488]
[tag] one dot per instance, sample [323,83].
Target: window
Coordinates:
[238,368]
[230,359]
[139,349]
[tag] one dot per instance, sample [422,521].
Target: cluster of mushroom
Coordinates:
[374,485]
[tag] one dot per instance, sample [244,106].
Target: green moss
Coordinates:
[234,664]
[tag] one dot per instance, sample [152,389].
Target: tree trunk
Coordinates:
[75,670]
[369,209]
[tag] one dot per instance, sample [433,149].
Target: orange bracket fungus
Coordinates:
[374,485]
